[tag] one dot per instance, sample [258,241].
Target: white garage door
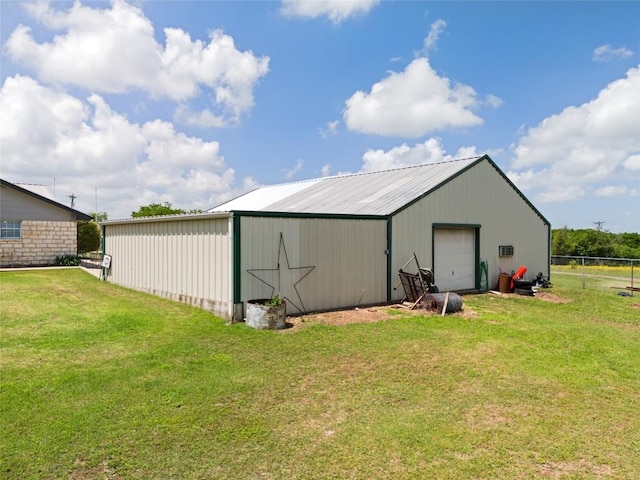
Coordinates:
[454,258]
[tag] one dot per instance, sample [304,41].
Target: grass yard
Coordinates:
[100,382]
[599,276]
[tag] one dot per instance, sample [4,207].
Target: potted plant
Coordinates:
[267,314]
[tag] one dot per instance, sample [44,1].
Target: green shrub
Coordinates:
[274,301]
[67,260]
[88,237]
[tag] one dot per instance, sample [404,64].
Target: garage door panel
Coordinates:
[454,262]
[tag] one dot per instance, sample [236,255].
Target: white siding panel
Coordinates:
[347,256]
[187,261]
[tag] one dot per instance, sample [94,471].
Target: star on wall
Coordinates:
[283,280]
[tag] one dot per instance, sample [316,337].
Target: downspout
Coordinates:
[103,273]
[389,257]
[477,259]
[231,250]
[237,257]
[549,243]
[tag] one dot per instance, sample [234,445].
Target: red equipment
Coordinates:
[518,275]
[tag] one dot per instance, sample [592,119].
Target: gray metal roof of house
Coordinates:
[373,193]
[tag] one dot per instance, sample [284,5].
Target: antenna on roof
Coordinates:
[73,200]
[599,225]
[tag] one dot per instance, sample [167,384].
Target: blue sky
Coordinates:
[194,103]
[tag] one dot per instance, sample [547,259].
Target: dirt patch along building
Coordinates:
[335,242]
[34,229]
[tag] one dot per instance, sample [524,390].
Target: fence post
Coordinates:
[632,278]
[583,273]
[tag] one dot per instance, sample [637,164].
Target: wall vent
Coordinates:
[505,250]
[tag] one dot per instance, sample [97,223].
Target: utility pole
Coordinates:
[73,199]
[599,225]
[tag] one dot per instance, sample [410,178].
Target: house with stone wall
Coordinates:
[35,229]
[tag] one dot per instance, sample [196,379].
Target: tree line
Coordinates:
[594,243]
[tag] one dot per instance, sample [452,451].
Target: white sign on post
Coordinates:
[106,261]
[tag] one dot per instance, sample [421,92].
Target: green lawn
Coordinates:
[599,277]
[101,382]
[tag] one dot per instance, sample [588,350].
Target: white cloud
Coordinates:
[94,42]
[606,53]
[330,129]
[46,133]
[583,145]
[632,163]
[492,101]
[204,118]
[616,191]
[336,10]
[326,170]
[289,174]
[113,50]
[432,38]
[412,103]
[562,194]
[524,180]
[430,151]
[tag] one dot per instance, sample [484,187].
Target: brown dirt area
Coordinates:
[540,295]
[389,312]
[356,315]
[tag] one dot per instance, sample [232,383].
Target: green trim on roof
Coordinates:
[339,216]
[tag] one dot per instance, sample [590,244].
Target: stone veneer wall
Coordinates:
[41,243]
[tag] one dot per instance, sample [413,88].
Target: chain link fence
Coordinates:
[615,274]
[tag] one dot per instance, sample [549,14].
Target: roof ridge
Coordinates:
[356,174]
[407,167]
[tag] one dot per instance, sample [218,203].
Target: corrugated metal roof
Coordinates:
[262,197]
[374,193]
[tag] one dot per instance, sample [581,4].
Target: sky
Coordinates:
[125,104]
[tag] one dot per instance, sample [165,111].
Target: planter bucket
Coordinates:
[266,317]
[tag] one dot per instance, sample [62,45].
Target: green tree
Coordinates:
[88,237]
[156,210]
[562,243]
[99,216]
[595,243]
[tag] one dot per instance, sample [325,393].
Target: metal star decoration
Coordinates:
[283,279]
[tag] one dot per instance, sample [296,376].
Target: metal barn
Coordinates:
[335,242]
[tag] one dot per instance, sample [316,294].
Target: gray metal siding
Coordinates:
[187,261]
[348,256]
[480,196]
[16,205]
